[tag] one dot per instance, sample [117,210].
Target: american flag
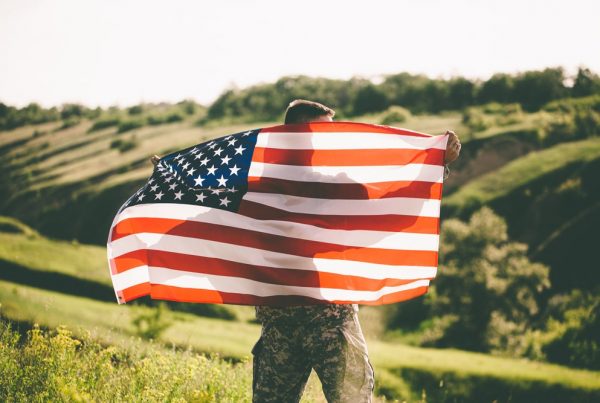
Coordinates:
[323,212]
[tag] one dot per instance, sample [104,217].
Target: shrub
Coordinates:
[70,122]
[569,333]
[136,110]
[476,120]
[489,290]
[395,114]
[103,123]
[130,124]
[188,107]
[124,145]
[174,117]
[155,120]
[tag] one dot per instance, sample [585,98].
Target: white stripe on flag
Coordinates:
[260,257]
[349,174]
[347,141]
[239,285]
[361,238]
[375,207]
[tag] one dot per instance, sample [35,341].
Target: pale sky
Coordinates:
[122,52]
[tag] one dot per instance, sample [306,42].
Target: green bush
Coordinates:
[155,120]
[395,114]
[486,295]
[569,335]
[130,124]
[70,122]
[136,110]
[103,123]
[124,145]
[174,117]
[476,120]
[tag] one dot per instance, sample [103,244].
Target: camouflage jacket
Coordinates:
[325,314]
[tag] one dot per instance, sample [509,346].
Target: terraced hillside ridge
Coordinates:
[69,182]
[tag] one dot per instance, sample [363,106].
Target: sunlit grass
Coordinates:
[523,170]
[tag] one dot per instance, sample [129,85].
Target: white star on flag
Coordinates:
[222,181]
[234,170]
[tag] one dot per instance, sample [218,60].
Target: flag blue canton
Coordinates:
[212,174]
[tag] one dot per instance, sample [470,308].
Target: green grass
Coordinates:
[111,324]
[523,170]
[59,367]
[38,253]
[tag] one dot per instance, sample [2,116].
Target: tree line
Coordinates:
[417,93]
[356,96]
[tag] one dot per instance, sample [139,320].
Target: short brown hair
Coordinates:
[301,111]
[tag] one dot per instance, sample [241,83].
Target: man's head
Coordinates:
[303,111]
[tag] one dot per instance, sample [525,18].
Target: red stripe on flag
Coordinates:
[340,127]
[368,157]
[385,222]
[274,243]
[270,275]
[355,191]
[171,293]
[133,292]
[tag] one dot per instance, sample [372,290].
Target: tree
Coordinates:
[369,99]
[498,88]
[586,83]
[487,289]
[534,89]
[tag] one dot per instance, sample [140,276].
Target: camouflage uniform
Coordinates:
[296,339]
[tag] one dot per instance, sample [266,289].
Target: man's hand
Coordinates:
[154,159]
[453,148]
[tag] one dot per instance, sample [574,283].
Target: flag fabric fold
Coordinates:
[323,212]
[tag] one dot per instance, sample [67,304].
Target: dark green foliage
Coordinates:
[534,89]
[486,293]
[70,122]
[499,88]
[572,330]
[573,119]
[11,117]
[586,83]
[130,124]
[174,117]
[103,123]
[73,111]
[369,99]
[135,110]
[155,120]
[418,93]
[188,107]
[124,145]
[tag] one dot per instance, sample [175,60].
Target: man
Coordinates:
[327,338]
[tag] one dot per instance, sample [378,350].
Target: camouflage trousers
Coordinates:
[286,353]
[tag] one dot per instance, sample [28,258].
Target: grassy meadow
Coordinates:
[63,337]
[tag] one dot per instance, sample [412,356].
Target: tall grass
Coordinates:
[55,366]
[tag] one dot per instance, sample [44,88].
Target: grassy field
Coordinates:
[402,370]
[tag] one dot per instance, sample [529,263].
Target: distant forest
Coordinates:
[357,96]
